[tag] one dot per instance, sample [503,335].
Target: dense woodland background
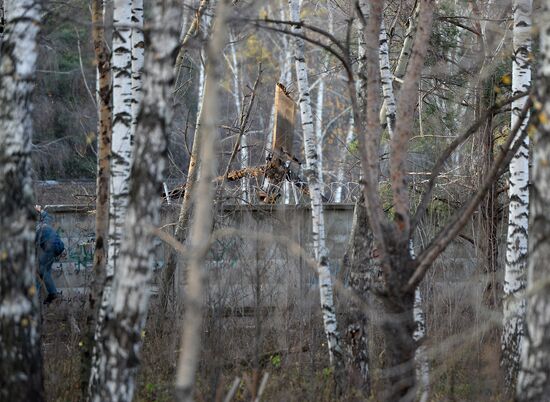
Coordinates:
[433,267]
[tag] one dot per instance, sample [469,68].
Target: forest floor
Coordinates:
[469,371]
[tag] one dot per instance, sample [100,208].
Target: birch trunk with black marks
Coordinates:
[104,135]
[121,154]
[419,335]
[122,126]
[2,23]
[387,80]
[20,353]
[138,53]
[534,376]
[202,224]
[127,311]
[404,56]
[312,172]
[518,219]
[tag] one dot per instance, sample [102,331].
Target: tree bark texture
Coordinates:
[518,216]
[138,52]
[404,55]
[419,335]
[122,140]
[534,376]
[364,275]
[387,81]
[121,156]
[122,331]
[104,135]
[20,355]
[202,225]
[312,172]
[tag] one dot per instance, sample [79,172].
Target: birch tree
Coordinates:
[104,136]
[138,51]
[128,305]
[2,21]
[20,354]
[534,376]
[202,225]
[121,156]
[518,219]
[312,172]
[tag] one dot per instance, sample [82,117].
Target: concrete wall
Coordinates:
[265,260]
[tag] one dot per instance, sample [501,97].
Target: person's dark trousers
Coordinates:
[46,260]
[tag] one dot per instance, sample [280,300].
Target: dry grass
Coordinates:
[288,343]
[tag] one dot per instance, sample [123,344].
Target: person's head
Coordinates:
[42,215]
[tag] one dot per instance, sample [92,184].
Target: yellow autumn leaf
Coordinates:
[543,118]
[506,79]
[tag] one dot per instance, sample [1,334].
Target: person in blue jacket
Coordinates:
[49,247]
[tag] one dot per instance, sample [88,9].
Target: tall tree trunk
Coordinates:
[104,135]
[128,305]
[122,126]
[403,60]
[364,275]
[20,355]
[387,80]
[312,172]
[534,376]
[419,334]
[202,225]
[2,23]
[121,156]
[518,219]
[138,52]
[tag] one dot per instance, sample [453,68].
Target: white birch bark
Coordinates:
[121,147]
[126,315]
[386,80]
[319,127]
[518,219]
[202,225]
[138,52]
[420,356]
[121,153]
[404,56]
[312,172]
[20,354]
[534,376]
